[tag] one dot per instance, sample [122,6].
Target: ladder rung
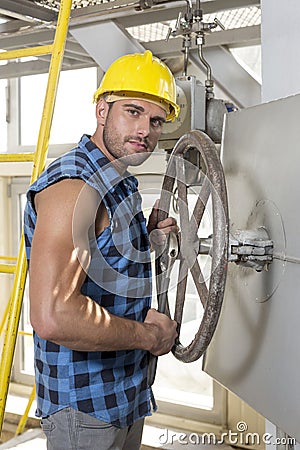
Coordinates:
[24,333]
[8,258]
[16,157]
[25,52]
[7,268]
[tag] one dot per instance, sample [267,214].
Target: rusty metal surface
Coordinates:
[214,186]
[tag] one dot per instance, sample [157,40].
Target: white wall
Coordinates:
[280,34]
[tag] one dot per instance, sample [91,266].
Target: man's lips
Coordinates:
[138,145]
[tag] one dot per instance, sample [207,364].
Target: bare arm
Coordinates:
[59,312]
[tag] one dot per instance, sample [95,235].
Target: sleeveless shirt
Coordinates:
[112,385]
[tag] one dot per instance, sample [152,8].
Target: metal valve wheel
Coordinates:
[190,245]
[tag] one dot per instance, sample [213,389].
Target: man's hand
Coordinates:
[158,230]
[162,332]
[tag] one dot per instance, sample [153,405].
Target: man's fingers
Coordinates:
[167,230]
[169,222]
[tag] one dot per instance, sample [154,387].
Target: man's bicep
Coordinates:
[58,261]
[65,214]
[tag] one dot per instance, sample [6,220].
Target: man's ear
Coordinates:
[101,111]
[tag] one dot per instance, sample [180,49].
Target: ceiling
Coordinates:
[25,23]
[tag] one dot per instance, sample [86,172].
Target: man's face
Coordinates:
[132,129]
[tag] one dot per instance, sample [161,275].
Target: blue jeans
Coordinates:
[69,429]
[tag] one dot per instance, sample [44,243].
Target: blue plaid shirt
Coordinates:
[111,386]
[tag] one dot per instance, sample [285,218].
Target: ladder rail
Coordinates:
[23,420]
[15,303]
[24,417]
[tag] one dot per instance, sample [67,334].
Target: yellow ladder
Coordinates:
[39,159]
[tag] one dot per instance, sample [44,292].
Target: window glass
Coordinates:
[74,111]
[249,57]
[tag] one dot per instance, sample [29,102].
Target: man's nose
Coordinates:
[143,126]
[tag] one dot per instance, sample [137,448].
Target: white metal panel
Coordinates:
[255,350]
[105,42]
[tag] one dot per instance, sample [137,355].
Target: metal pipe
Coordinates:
[39,163]
[186,60]
[197,11]
[204,62]
[217,22]
[189,5]
[291,259]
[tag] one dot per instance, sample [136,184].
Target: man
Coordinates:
[90,271]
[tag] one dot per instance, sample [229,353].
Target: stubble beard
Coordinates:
[115,144]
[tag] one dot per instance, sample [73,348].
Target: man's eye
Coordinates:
[133,112]
[157,123]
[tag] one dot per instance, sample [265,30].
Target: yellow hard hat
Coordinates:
[141,75]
